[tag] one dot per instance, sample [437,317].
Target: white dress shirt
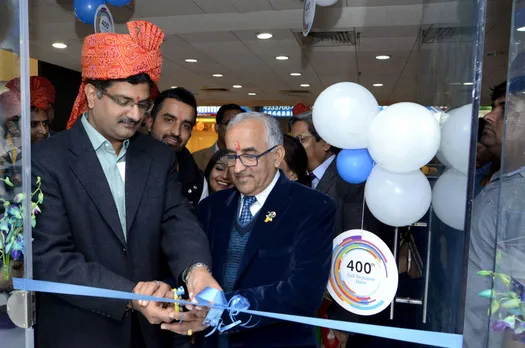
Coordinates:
[320,170]
[261,197]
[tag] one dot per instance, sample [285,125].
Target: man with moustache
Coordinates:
[267,244]
[498,221]
[171,121]
[113,214]
[43,96]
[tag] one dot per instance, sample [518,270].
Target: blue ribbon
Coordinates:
[431,338]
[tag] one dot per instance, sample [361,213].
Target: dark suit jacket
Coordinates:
[349,199]
[286,262]
[78,237]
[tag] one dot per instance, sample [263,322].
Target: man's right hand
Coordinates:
[155,312]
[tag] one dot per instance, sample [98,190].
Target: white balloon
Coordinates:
[325,2]
[397,199]
[404,137]
[342,115]
[442,159]
[449,198]
[455,138]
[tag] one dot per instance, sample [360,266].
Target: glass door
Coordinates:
[16,308]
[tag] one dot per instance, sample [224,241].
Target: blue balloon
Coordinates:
[85,9]
[118,2]
[354,166]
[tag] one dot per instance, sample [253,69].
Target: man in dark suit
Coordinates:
[113,210]
[171,121]
[352,213]
[271,239]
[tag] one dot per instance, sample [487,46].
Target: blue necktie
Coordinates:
[246,214]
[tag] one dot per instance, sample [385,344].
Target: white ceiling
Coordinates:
[221,35]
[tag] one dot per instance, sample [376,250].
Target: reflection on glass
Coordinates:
[14,156]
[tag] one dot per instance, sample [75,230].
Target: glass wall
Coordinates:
[499,225]
[15,177]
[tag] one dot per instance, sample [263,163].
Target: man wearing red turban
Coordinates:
[113,215]
[43,96]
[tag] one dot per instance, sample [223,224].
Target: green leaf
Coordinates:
[38,180]
[522,308]
[8,182]
[484,273]
[33,222]
[494,306]
[40,197]
[505,279]
[513,303]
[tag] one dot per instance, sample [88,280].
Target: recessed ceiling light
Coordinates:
[190,60]
[252,93]
[383,57]
[521,29]
[237,86]
[305,85]
[378,85]
[173,86]
[468,83]
[218,75]
[60,45]
[281,57]
[295,74]
[264,36]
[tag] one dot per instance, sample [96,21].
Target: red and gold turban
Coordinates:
[9,105]
[110,56]
[299,109]
[42,91]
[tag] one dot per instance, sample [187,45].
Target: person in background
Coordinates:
[223,117]
[271,238]
[486,163]
[113,214]
[352,213]
[295,164]
[171,121]
[216,172]
[42,104]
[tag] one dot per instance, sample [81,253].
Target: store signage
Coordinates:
[363,275]
[104,20]
[308,16]
[278,111]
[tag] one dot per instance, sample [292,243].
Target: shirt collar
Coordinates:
[263,195]
[97,139]
[321,169]
[497,175]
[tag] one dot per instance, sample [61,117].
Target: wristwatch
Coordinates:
[188,270]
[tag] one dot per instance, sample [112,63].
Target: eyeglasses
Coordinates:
[302,138]
[143,105]
[247,160]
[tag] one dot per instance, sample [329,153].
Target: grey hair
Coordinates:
[274,135]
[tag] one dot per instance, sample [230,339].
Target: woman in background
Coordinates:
[216,173]
[295,162]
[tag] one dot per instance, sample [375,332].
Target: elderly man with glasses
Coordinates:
[270,238]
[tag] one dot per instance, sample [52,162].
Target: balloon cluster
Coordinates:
[450,191]
[386,149]
[85,9]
